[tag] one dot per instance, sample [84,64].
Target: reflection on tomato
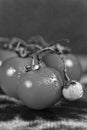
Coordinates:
[10,72]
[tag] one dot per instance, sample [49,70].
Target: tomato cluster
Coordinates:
[39,75]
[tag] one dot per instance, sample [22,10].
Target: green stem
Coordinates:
[16,42]
[32,46]
[41,52]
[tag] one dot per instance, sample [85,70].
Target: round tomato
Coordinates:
[40,88]
[10,72]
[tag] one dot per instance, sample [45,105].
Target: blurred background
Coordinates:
[52,19]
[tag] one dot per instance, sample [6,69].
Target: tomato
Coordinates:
[73,67]
[10,72]
[6,54]
[74,91]
[41,88]
[53,60]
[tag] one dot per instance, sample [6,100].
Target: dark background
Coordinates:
[53,19]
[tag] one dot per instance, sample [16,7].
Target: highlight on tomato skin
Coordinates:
[73,67]
[10,72]
[40,89]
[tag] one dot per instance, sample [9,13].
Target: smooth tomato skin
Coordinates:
[73,67]
[10,72]
[5,54]
[54,61]
[41,88]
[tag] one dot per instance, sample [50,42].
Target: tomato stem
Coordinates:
[59,48]
[42,52]
[16,43]
[65,50]
[33,48]
[36,64]
[67,79]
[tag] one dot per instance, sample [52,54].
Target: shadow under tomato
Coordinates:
[67,110]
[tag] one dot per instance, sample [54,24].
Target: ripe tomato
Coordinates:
[54,61]
[73,67]
[10,72]
[41,88]
[5,54]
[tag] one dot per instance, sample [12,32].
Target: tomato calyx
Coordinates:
[69,82]
[35,65]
